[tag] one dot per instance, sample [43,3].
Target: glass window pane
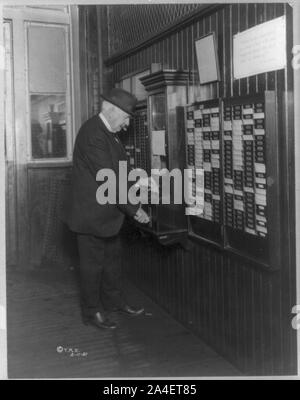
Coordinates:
[47,59]
[48,126]
[158,112]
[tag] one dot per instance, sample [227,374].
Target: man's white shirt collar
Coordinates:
[106,123]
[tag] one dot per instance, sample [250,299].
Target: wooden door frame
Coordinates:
[296,33]
[22,147]
[3,331]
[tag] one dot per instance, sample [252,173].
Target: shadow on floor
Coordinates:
[46,338]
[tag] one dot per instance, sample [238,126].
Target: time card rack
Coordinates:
[241,174]
[203,151]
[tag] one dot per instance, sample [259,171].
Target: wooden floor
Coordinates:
[46,338]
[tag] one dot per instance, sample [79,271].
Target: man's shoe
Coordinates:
[131,311]
[100,322]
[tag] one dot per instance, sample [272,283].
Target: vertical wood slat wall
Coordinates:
[240,310]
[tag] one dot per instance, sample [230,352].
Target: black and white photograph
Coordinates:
[150,202]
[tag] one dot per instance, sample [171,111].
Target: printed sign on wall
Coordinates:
[260,49]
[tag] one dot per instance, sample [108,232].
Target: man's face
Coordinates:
[119,120]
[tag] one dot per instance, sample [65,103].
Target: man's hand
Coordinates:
[149,183]
[141,216]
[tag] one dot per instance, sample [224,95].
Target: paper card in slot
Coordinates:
[158,143]
[206,111]
[261,181]
[261,218]
[261,224]
[198,130]
[190,139]
[259,132]
[190,123]
[238,167]
[248,121]
[207,166]
[197,114]
[250,231]
[260,168]
[215,163]
[228,181]
[227,137]
[206,144]
[260,200]
[237,124]
[238,192]
[261,192]
[228,189]
[237,145]
[248,137]
[259,115]
[247,111]
[262,186]
[227,125]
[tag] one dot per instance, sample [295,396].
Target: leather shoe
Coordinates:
[131,311]
[99,322]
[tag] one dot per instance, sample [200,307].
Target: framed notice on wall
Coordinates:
[260,49]
[208,65]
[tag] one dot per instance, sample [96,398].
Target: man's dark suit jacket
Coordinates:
[95,148]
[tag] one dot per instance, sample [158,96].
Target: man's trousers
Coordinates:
[100,275]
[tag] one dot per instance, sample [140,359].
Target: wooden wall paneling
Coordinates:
[215,307]
[83,63]
[256,315]
[182,306]
[198,302]
[241,315]
[271,14]
[243,25]
[227,306]
[21,143]
[222,308]
[193,291]
[221,49]
[291,273]
[237,304]
[252,21]
[178,286]
[161,279]
[165,53]
[227,52]
[200,291]
[173,291]
[267,327]
[210,277]
[261,13]
[206,290]
[189,47]
[235,28]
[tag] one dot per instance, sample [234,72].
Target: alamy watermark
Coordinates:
[162,187]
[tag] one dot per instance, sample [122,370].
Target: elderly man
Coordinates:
[97,225]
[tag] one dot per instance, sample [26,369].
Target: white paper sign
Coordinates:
[260,49]
[158,143]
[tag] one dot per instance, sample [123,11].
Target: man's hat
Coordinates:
[122,99]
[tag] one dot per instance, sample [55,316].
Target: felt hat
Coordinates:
[122,99]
